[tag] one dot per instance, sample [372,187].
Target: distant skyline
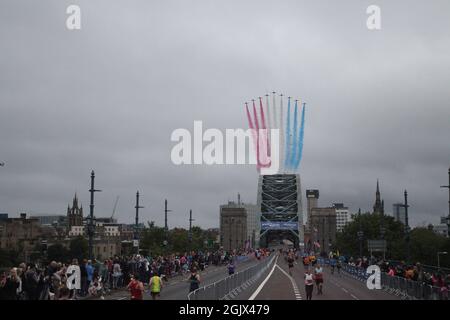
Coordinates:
[107,98]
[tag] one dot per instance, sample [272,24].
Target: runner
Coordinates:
[332,264]
[136,288]
[194,280]
[155,286]
[309,284]
[318,277]
[339,266]
[290,261]
[231,268]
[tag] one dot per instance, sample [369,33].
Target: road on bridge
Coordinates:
[277,284]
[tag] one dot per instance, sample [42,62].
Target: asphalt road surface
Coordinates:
[277,284]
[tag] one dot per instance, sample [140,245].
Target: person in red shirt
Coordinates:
[136,288]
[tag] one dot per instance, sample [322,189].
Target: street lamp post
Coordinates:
[448,217]
[91,226]
[408,251]
[166,226]
[438,254]
[136,228]
[190,230]
[360,233]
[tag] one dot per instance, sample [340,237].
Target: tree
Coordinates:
[424,243]
[8,258]
[347,240]
[152,239]
[179,240]
[58,252]
[79,248]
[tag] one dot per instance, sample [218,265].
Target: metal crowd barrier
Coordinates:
[405,288]
[231,286]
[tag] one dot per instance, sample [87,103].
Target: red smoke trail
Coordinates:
[255,136]
[257,133]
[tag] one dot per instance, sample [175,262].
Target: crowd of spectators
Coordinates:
[427,275]
[49,282]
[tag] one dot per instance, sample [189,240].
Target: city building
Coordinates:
[378,207]
[323,228]
[233,226]
[312,201]
[252,224]
[76,231]
[441,229]
[74,214]
[106,248]
[20,234]
[342,216]
[399,212]
[51,220]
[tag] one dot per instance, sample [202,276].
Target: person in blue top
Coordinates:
[332,264]
[90,272]
[231,268]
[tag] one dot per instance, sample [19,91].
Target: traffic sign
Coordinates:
[376,245]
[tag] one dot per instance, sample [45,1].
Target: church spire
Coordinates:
[75,201]
[379,204]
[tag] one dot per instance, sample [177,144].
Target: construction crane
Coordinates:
[115,206]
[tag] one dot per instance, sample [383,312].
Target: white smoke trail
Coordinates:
[282,135]
[274,107]
[268,111]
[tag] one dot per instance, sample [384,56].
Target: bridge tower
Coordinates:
[280,205]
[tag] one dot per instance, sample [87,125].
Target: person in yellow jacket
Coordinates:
[155,285]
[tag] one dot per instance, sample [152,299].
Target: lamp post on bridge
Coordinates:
[166,226]
[408,251]
[136,227]
[438,254]
[190,230]
[91,225]
[448,217]
[360,234]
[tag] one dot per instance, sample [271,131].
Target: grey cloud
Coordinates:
[109,96]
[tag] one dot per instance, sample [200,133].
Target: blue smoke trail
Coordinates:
[301,136]
[288,135]
[294,142]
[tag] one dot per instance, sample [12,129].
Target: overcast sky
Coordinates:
[107,97]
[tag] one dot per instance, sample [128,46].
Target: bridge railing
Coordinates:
[399,286]
[232,285]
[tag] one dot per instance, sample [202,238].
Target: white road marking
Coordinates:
[258,290]
[294,285]
[345,290]
[354,297]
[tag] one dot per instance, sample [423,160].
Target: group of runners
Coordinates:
[313,270]
[155,285]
